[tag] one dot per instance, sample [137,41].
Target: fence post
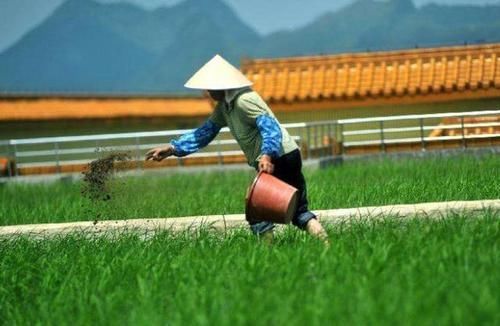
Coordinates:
[341,136]
[58,166]
[16,170]
[382,143]
[315,137]
[137,153]
[422,134]
[9,165]
[334,137]
[308,131]
[330,139]
[464,144]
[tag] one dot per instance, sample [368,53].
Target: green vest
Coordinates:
[240,116]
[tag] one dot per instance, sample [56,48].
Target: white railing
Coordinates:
[317,139]
[69,150]
[384,131]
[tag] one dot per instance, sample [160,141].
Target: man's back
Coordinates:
[241,115]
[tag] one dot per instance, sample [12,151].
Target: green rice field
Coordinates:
[415,272]
[355,184]
[421,272]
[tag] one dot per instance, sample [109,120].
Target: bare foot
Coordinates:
[315,229]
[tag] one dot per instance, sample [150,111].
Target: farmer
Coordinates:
[267,145]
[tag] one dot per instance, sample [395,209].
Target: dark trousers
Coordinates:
[288,168]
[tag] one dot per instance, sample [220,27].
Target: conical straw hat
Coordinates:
[217,74]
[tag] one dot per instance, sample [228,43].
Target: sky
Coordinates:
[17,17]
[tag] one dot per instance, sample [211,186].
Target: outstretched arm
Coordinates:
[195,140]
[187,143]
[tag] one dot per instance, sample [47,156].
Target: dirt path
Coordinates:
[223,222]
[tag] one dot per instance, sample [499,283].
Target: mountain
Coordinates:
[86,46]
[73,50]
[382,25]
[207,27]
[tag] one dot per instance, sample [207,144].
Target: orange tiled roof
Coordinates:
[310,82]
[446,72]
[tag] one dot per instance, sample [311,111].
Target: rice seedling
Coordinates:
[419,271]
[375,272]
[354,184]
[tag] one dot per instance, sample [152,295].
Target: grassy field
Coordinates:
[420,272]
[364,183]
[430,272]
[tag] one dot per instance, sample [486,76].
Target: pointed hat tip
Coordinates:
[218,74]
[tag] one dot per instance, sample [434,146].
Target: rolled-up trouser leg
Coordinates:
[261,227]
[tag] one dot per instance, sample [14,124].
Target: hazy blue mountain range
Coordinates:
[93,47]
[90,47]
[368,24]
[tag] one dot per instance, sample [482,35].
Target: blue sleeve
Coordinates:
[196,139]
[271,135]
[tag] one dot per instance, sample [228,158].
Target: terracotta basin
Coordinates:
[270,199]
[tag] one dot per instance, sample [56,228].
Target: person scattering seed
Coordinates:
[267,145]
